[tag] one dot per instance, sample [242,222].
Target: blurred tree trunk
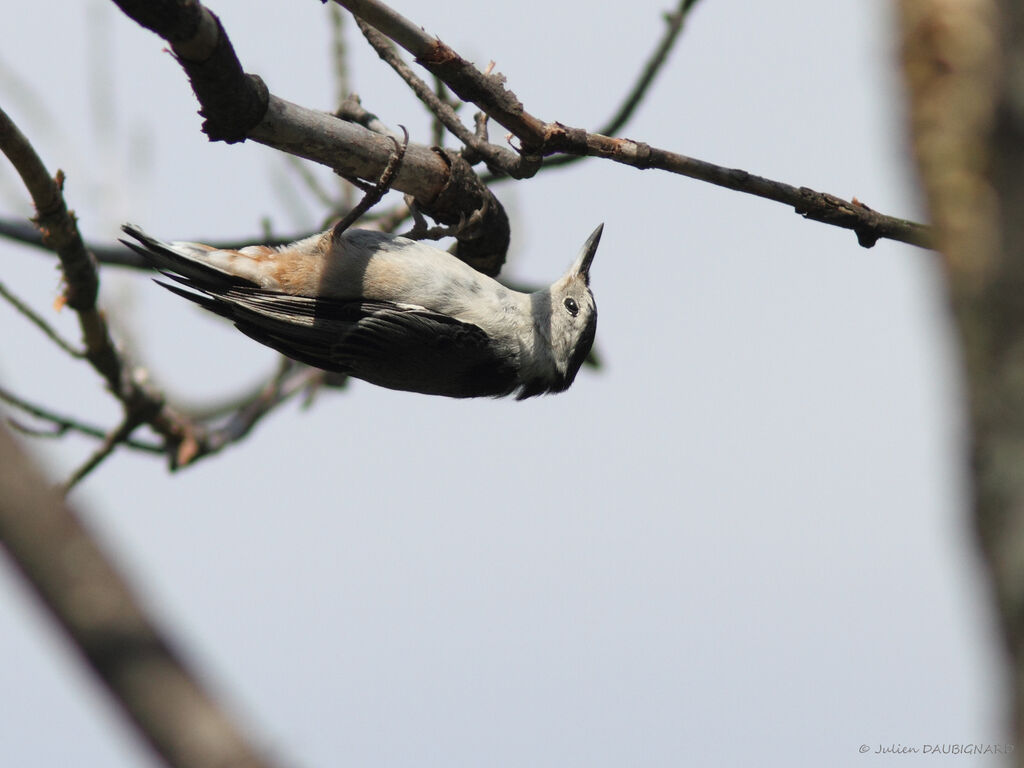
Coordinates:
[964,71]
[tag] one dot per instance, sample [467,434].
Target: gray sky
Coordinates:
[743,541]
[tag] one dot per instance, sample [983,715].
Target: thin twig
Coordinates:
[60,233]
[310,181]
[37,320]
[436,125]
[342,90]
[673,26]
[114,439]
[64,424]
[868,224]
[361,153]
[543,139]
[339,54]
[209,412]
[469,83]
[290,379]
[118,255]
[52,431]
[499,157]
[142,404]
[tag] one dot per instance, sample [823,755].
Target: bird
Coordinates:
[394,312]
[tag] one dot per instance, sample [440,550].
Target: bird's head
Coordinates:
[573,315]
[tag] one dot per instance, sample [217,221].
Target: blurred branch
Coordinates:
[339,55]
[673,26]
[342,91]
[115,438]
[119,255]
[185,441]
[37,320]
[968,137]
[494,155]
[290,379]
[59,232]
[437,133]
[311,182]
[77,583]
[64,424]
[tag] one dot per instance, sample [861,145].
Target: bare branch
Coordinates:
[76,581]
[37,320]
[290,379]
[233,102]
[119,255]
[869,225]
[238,106]
[673,26]
[437,127]
[339,55]
[310,182]
[185,441]
[57,226]
[469,83]
[65,424]
[430,176]
[499,157]
[542,139]
[110,442]
[60,233]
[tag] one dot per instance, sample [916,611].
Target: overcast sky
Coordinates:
[743,541]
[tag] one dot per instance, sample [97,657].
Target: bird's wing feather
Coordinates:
[392,345]
[177,265]
[398,346]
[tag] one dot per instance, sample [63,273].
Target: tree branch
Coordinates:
[185,441]
[238,106]
[290,379]
[60,233]
[968,137]
[118,255]
[496,157]
[673,26]
[116,437]
[75,580]
[543,139]
[64,424]
[469,83]
[37,320]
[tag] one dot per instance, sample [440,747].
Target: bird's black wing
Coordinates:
[396,346]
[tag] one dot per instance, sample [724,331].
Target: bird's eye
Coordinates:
[570,304]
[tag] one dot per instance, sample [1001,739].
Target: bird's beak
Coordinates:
[582,265]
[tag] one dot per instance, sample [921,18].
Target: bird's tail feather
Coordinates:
[175,260]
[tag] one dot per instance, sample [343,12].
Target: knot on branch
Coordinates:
[231,121]
[484,235]
[59,229]
[232,101]
[559,137]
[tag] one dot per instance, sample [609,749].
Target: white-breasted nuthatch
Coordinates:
[392,311]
